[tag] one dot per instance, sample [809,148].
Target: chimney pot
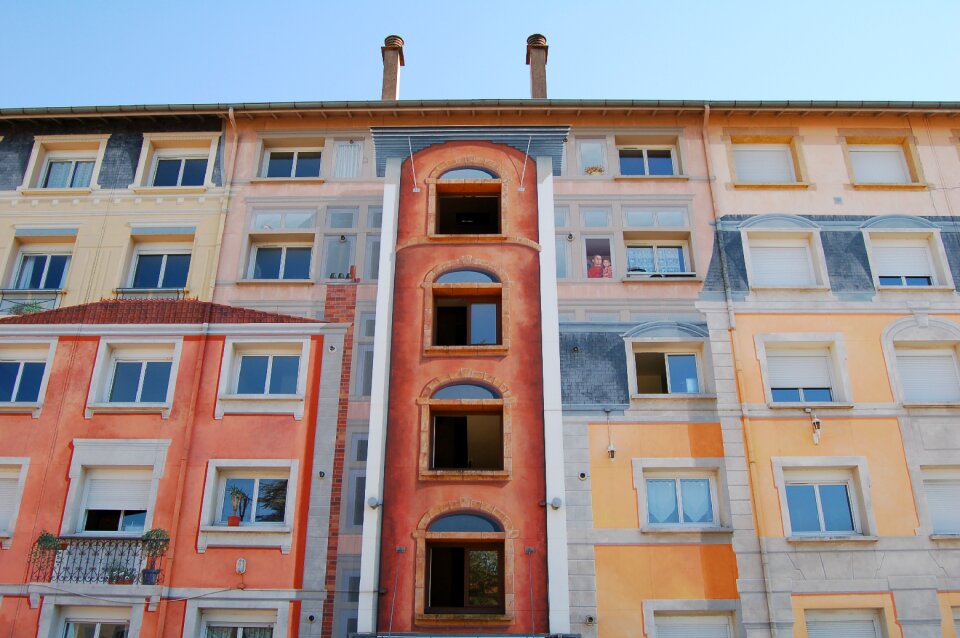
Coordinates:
[537,60]
[392,52]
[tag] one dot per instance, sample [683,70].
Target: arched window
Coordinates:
[465,391]
[467,202]
[468,172]
[467,277]
[465,558]
[467,309]
[464,522]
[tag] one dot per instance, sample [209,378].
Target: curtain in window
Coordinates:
[696,501]
[662,501]
[82,174]
[221,632]
[640,259]
[32,264]
[57,175]
[258,632]
[670,259]
[348,159]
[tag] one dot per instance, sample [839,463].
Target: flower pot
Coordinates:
[149,576]
[233,521]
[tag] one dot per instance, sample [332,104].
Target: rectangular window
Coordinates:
[256,630]
[465,578]
[764,164]
[648,161]
[358,489]
[139,381]
[268,374]
[115,500]
[372,266]
[595,217]
[657,259]
[41,272]
[339,256]
[666,217]
[365,372]
[821,508]
[68,173]
[20,381]
[161,270]
[561,216]
[698,626]
[598,256]
[9,497]
[902,262]
[374,216]
[592,154]
[348,156]
[468,213]
[680,501]
[942,492]
[563,257]
[781,263]
[470,321]
[281,262]
[666,373]
[800,376]
[842,624]
[291,163]
[180,171]
[928,376]
[109,629]
[879,164]
[284,220]
[338,218]
[253,499]
[467,442]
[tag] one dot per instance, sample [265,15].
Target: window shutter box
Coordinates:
[8,496]
[799,370]
[781,266]
[703,627]
[929,377]
[911,259]
[109,490]
[943,499]
[764,164]
[842,629]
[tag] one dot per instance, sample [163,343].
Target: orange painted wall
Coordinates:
[407,499]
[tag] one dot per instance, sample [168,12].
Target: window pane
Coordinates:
[308,164]
[283,377]
[599,263]
[297,265]
[484,578]
[102,521]
[175,274]
[891,281]
[483,323]
[591,157]
[112,630]
[373,257]
[168,170]
[561,248]
[560,215]
[339,257]
[375,216]
[126,378]
[366,370]
[298,220]
[640,259]
[55,272]
[596,217]
[147,273]
[155,382]
[359,490]
[280,164]
[631,162]
[81,630]
[785,395]
[82,173]
[8,379]
[465,391]
[817,395]
[670,259]
[238,496]
[660,161]
[58,175]
[662,501]
[268,221]
[31,272]
[672,218]
[636,218]
[194,172]
[341,217]
[835,503]
[222,632]
[697,507]
[30,379]
[253,374]
[683,373]
[919,281]
[267,264]
[651,373]
[470,523]
[133,521]
[271,501]
[802,505]
[466,277]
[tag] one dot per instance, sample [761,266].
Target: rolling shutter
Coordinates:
[8,497]
[879,164]
[782,265]
[842,628]
[928,376]
[764,163]
[118,489]
[942,500]
[799,369]
[693,627]
[903,258]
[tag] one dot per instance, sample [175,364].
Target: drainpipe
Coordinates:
[737,370]
[228,174]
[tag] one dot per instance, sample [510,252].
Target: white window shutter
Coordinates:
[347,159]
[928,377]
[764,163]
[852,628]
[8,496]
[902,259]
[118,489]
[799,369]
[943,498]
[693,627]
[781,266]
[879,164]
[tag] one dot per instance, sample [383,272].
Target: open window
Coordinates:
[465,565]
[468,202]
[467,310]
[668,361]
[465,432]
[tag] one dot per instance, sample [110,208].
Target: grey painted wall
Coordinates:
[594,373]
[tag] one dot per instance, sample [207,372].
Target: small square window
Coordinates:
[254,500]
[764,164]
[680,501]
[342,217]
[592,157]
[651,161]
[941,488]
[291,163]
[598,217]
[268,374]
[667,373]
[281,262]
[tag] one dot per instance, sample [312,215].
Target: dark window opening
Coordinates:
[465,578]
[660,373]
[467,322]
[114,520]
[465,391]
[459,214]
[467,442]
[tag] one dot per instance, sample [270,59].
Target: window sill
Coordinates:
[279,536]
[661,278]
[931,404]
[651,178]
[803,405]
[476,239]
[168,190]
[833,538]
[54,192]
[675,396]
[771,186]
[465,475]
[943,536]
[462,618]
[32,408]
[888,187]
[128,408]
[287,180]
[685,529]
[275,282]
[915,289]
[290,404]
[790,288]
[151,293]
[492,350]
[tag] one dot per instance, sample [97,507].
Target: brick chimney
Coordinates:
[537,59]
[392,51]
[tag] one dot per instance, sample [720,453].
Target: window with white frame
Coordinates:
[61,162]
[233,630]
[663,259]
[238,623]
[174,169]
[21,379]
[928,375]
[879,164]
[160,269]
[338,256]
[650,161]
[66,171]
[764,164]
[941,487]
[13,475]
[177,160]
[848,623]
[680,499]
[693,626]
[821,503]
[138,380]
[253,498]
[800,375]
[783,262]
[115,500]
[666,373]
[96,629]
[262,374]
[291,163]
[134,376]
[290,220]
[348,158]
[371,268]
[592,156]
[41,269]
[263,377]
[903,262]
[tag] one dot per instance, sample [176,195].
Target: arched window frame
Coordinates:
[430,406]
[433,290]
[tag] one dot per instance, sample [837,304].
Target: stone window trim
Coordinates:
[157,145]
[831,342]
[144,247]
[764,231]
[917,332]
[719,606]
[201,610]
[229,402]
[302,141]
[813,468]
[943,277]
[32,349]
[103,369]
[669,338]
[933,473]
[57,610]
[20,466]
[46,147]
[426,405]
[111,453]
[790,137]
[881,604]
[712,468]
[278,536]
[502,289]
[502,184]
[508,537]
[652,138]
[904,138]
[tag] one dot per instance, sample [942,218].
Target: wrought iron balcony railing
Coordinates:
[114,561]
[15,301]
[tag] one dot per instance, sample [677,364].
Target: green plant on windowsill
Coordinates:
[120,575]
[155,544]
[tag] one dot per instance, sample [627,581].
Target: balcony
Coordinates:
[112,561]
[151,293]
[16,301]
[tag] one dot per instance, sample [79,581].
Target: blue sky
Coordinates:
[71,52]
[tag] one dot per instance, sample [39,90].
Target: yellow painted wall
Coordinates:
[614,495]
[876,439]
[948,602]
[626,576]
[882,603]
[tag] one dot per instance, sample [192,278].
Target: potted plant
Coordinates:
[47,541]
[120,575]
[155,544]
[238,501]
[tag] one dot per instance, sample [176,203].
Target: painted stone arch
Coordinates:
[465,375]
[469,161]
[898,222]
[666,330]
[467,262]
[779,221]
[468,505]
